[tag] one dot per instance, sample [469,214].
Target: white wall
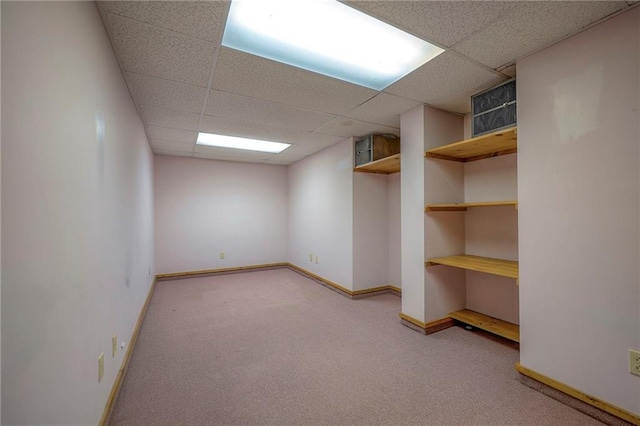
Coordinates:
[0,226]
[394,225]
[492,232]
[321,213]
[370,231]
[77,222]
[444,232]
[429,294]
[579,212]
[412,211]
[205,207]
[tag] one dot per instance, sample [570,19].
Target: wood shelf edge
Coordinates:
[488,265]
[441,207]
[501,142]
[387,166]
[487,323]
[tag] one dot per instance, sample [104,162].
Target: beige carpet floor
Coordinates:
[275,348]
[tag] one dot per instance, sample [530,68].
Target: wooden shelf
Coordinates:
[505,268]
[387,166]
[487,323]
[502,142]
[456,207]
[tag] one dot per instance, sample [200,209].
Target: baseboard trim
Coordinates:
[579,399]
[395,290]
[352,294]
[117,384]
[428,327]
[188,274]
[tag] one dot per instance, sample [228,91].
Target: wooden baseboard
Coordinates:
[581,396]
[438,325]
[117,384]
[353,294]
[174,275]
[395,290]
[428,327]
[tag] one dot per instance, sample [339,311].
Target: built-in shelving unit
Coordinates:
[487,323]
[387,165]
[494,144]
[502,142]
[504,268]
[454,207]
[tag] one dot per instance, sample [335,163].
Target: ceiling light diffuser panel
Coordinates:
[326,37]
[222,141]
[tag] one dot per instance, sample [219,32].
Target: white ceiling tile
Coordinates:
[319,140]
[301,149]
[509,70]
[169,118]
[200,19]
[447,82]
[275,161]
[383,109]
[250,75]
[443,22]
[171,146]
[530,27]
[154,51]
[241,159]
[346,127]
[169,134]
[166,93]
[230,153]
[245,129]
[173,153]
[236,107]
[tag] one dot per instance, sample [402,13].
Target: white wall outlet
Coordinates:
[122,346]
[221,255]
[100,367]
[114,345]
[310,257]
[316,259]
[634,362]
[149,270]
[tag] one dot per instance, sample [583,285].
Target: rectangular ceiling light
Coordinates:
[326,37]
[222,141]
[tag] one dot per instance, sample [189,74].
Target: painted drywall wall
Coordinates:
[579,212]
[394,217]
[444,232]
[492,232]
[0,222]
[321,213]
[412,211]
[429,294]
[205,207]
[77,219]
[370,231]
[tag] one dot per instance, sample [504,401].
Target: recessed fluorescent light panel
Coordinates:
[326,37]
[222,141]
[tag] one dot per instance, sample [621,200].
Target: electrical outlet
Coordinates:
[122,346]
[100,367]
[114,345]
[316,259]
[221,255]
[634,362]
[310,257]
[149,270]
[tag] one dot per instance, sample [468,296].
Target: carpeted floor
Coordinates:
[273,347]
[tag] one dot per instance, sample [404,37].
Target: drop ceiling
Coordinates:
[183,81]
